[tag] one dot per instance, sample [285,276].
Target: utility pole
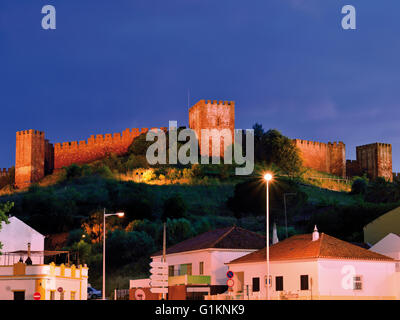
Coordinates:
[164,250]
[284,203]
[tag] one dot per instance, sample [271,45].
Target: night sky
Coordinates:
[116,64]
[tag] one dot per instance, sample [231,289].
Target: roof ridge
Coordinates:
[249,231]
[221,237]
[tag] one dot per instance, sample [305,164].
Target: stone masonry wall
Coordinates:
[212,115]
[324,157]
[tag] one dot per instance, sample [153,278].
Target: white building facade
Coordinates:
[15,236]
[51,282]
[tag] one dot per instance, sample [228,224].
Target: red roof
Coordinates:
[224,238]
[302,247]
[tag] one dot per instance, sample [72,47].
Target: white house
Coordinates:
[15,236]
[202,260]
[314,266]
[50,282]
[389,246]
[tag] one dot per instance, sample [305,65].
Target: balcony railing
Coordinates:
[188,279]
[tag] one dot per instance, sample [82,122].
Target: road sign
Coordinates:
[140,295]
[156,264]
[159,290]
[159,277]
[37,296]
[60,289]
[154,283]
[230,283]
[229,274]
[163,271]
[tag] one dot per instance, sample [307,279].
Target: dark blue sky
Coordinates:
[288,64]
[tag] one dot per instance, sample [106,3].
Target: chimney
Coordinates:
[315,235]
[29,260]
[274,235]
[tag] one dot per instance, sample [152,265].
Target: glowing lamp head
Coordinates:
[120,214]
[268,177]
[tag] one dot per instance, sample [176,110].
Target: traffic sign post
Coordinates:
[159,277]
[230,274]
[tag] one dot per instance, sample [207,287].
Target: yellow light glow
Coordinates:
[120,214]
[268,177]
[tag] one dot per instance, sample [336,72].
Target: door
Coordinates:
[19,295]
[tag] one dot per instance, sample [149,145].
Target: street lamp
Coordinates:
[119,214]
[267,178]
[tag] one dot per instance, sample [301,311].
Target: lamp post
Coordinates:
[268,178]
[119,214]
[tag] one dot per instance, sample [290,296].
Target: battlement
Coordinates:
[203,103]
[30,132]
[99,139]
[376,144]
[317,143]
[4,173]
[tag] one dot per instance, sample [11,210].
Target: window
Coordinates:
[256,284]
[19,295]
[397,266]
[186,269]
[72,295]
[62,295]
[357,283]
[201,268]
[304,282]
[52,295]
[278,283]
[171,271]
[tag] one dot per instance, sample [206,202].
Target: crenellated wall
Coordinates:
[4,172]
[37,157]
[375,160]
[325,157]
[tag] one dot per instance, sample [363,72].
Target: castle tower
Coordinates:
[212,115]
[29,158]
[375,160]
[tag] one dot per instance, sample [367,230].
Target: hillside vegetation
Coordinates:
[191,200]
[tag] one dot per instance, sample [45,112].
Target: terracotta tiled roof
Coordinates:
[302,247]
[224,238]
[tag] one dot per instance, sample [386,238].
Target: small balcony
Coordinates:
[189,280]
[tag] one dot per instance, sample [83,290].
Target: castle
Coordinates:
[374,160]
[37,157]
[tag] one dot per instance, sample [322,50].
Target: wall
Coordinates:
[43,279]
[353,168]
[29,158]
[36,156]
[376,275]
[290,270]
[382,226]
[376,160]
[15,236]
[212,115]
[95,148]
[325,157]
[388,246]
[214,262]
[4,172]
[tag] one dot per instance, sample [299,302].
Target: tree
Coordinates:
[174,208]
[359,186]
[275,148]
[4,210]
